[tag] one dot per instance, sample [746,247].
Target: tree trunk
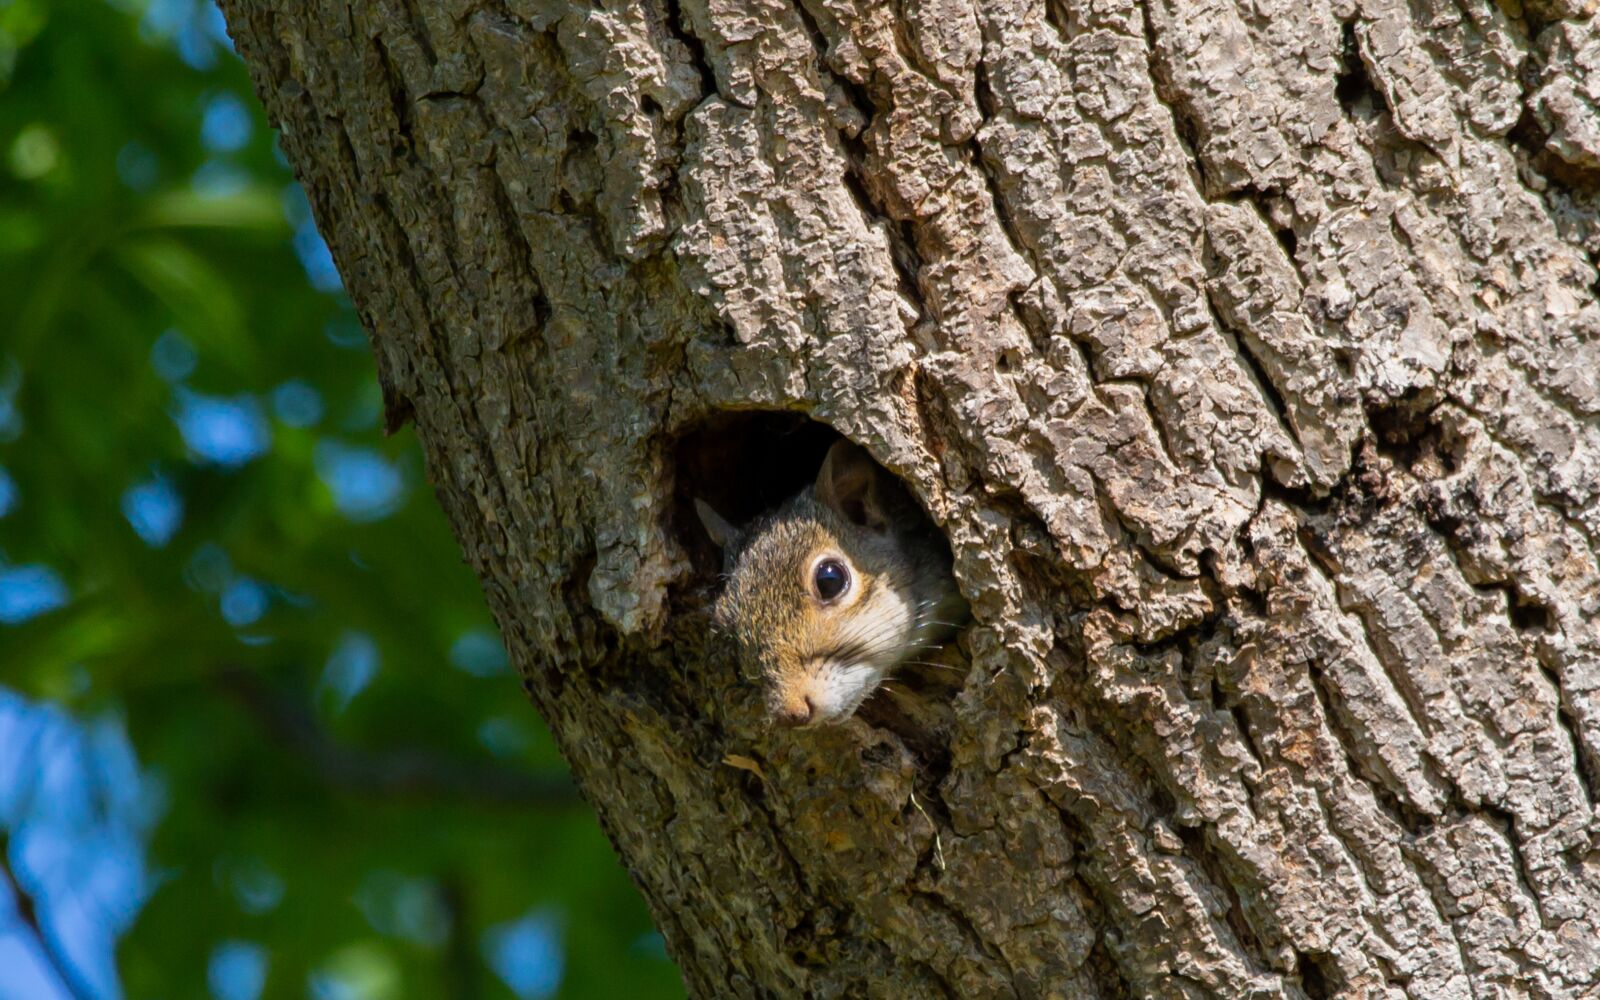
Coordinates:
[1248,354]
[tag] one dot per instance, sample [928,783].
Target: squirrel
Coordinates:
[830,592]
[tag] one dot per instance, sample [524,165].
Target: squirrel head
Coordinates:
[826,595]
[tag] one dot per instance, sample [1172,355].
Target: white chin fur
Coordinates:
[840,689]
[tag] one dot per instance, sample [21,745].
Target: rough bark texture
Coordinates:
[1248,353]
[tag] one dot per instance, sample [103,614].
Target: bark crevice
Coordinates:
[1246,360]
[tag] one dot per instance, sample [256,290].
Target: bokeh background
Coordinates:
[258,736]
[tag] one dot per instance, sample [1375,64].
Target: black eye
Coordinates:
[830,578]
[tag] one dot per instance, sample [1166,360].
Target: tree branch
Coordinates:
[401,771]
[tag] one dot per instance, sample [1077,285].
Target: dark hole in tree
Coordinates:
[1344,359]
[1528,133]
[1531,614]
[743,463]
[1318,975]
[1288,240]
[1354,89]
[581,142]
[580,170]
[1404,427]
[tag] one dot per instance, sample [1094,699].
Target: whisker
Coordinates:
[930,663]
[877,638]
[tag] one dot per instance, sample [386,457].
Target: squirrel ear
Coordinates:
[847,483]
[725,535]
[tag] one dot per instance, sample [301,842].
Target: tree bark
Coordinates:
[1248,354]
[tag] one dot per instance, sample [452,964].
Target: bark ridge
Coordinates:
[1248,353]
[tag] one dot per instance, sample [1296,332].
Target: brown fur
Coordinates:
[819,659]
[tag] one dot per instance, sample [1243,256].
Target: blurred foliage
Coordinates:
[204,536]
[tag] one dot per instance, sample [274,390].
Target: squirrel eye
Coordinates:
[830,578]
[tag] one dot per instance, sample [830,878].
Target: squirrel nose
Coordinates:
[796,713]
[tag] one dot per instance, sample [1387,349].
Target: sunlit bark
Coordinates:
[1248,354]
